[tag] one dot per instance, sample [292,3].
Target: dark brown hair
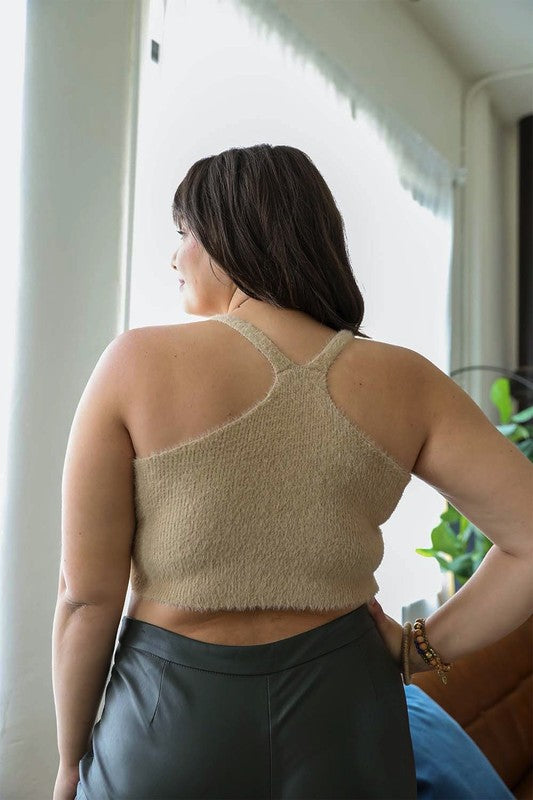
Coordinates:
[267,217]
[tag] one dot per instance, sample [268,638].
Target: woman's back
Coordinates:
[191,380]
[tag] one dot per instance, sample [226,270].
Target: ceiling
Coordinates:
[482,37]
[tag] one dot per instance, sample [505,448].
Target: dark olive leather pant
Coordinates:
[321,714]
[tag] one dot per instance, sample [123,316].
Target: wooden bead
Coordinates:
[425,650]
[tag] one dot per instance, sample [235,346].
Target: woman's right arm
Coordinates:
[490,481]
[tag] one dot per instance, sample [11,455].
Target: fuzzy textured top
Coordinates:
[277,508]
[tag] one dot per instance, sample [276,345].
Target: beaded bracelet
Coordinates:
[406,646]
[424,649]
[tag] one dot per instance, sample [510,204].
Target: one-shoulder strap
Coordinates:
[278,359]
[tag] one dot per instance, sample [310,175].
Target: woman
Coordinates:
[238,470]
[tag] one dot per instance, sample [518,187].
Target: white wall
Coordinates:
[490,285]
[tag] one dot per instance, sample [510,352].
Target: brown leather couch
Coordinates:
[490,694]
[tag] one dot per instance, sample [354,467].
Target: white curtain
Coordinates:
[427,175]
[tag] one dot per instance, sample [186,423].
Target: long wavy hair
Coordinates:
[267,217]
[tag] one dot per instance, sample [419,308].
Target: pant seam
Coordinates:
[159,692]
[269,732]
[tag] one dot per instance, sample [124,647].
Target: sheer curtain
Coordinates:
[421,169]
[11,93]
[250,77]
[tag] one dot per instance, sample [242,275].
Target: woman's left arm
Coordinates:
[97,530]
[83,642]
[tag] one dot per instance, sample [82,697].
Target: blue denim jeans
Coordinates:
[449,764]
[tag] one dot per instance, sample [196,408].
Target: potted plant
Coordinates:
[459,546]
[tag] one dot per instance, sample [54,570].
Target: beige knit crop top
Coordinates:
[277,508]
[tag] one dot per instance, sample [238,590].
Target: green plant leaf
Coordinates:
[466,534]
[523,416]
[464,526]
[522,432]
[443,563]
[482,543]
[450,514]
[527,448]
[461,564]
[425,551]
[500,395]
[443,539]
[477,558]
[432,553]
[508,429]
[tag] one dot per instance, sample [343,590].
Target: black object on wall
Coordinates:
[525,261]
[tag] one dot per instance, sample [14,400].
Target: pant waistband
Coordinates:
[252,659]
